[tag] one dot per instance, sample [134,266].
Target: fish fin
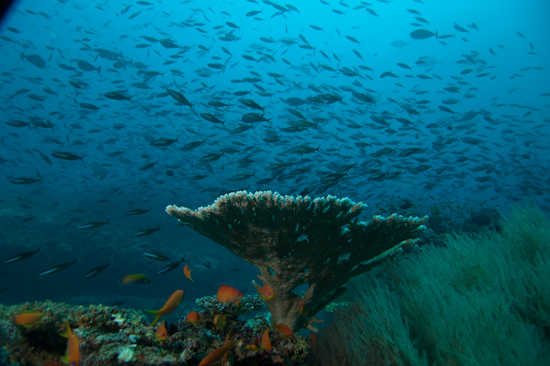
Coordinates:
[157,313]
[66,330]
[256,286]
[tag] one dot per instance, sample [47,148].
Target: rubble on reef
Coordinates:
[109,335]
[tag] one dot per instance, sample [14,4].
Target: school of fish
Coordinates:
[111,110]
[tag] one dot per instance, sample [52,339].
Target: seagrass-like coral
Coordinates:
[300,240]
[475,300]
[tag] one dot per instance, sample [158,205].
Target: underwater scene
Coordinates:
[256,182]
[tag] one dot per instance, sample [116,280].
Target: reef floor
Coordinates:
[109,335]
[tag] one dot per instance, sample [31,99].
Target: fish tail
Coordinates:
[157,313]
[66,330]
[256,286]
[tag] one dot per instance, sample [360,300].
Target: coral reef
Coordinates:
[293,241]
[114,336]
[299,240]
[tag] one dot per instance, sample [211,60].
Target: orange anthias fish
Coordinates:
[28,319]
[266,343]
[193,317]
[302,310]
[187,272]
[161,334]
[217,354]
[227,295]
[312,339]
[310,322]
[266,292]
[220,321]
[284,329]
[171,304]
[72,355]
[135,279]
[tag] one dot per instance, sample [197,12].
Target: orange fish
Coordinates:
[220,321]
[312,339]
[193,317]
[72,355]
[135,279]
[227,295]
[310,322]
[171,304]
[187,272]
[266,343]
[217,354]
[161,334]
[266,292]
[28,319]
[284,329]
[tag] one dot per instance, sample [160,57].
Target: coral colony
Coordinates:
[293,241]
[318,244]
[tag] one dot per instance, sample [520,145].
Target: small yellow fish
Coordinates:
[266,292]
[28,319]
[133,279]
[170,305]
[284,329]
[218,353]
[220,321]
[187,272]
[161,334]
[266,342]
[193,317]
[227,295]
[72,355]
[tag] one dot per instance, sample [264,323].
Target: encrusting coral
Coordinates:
[110,336]
[300,240]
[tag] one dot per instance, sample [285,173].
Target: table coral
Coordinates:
[300,240]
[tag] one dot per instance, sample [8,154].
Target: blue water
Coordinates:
[490,149]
